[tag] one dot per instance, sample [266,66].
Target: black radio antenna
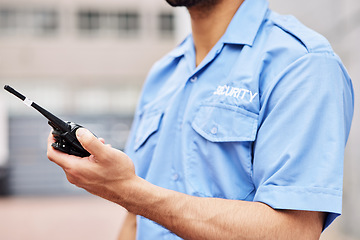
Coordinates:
[52,118]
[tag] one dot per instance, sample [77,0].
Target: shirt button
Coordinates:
[175,177]
[214,130]
[193,79]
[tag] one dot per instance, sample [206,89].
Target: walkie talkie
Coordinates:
[63,132]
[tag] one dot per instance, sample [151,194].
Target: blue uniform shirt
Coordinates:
[265,117]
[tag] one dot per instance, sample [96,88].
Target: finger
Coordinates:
[102,140]
[51,137]
[58,157]
[64,160]
[91,143]
[50,140]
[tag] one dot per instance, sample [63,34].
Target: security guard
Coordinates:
[240,132]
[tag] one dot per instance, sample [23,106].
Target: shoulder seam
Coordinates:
[311,40]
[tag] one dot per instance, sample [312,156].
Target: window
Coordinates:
[127,22]
[8,21]
[89,21]
[45,21]
[108,22]
[23,21]
[167,24]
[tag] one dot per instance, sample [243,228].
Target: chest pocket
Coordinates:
[222,123]
[149,124]
[220,162]
[145,141]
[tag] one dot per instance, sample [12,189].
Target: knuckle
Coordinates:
[71,179]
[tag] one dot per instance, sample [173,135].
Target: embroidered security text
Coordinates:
[241,93]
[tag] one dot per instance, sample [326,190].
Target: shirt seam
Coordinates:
[276,78]
[299,189]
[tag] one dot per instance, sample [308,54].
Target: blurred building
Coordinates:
[85,61]
[82,56]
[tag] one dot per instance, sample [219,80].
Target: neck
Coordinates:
[208,25]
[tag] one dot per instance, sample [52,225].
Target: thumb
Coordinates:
[91,143]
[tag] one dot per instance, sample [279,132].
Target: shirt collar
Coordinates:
[246,22]
[241,30]
[180,50]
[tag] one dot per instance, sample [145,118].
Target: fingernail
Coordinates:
[81,132]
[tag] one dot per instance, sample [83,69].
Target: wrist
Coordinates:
[141,197]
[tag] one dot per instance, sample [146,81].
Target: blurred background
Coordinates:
[85,61]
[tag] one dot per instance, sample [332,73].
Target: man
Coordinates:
[239,133]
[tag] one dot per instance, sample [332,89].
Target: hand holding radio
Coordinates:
[103,171]
[107,172]
[63,132]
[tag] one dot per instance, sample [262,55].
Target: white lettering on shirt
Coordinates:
[252,96]
[241,93]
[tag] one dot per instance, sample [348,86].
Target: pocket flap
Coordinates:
[224,123]
[148,125]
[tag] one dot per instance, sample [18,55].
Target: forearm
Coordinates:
[109,173]
[128,229]
[212,218]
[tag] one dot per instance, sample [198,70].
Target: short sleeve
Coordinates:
[304,124]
